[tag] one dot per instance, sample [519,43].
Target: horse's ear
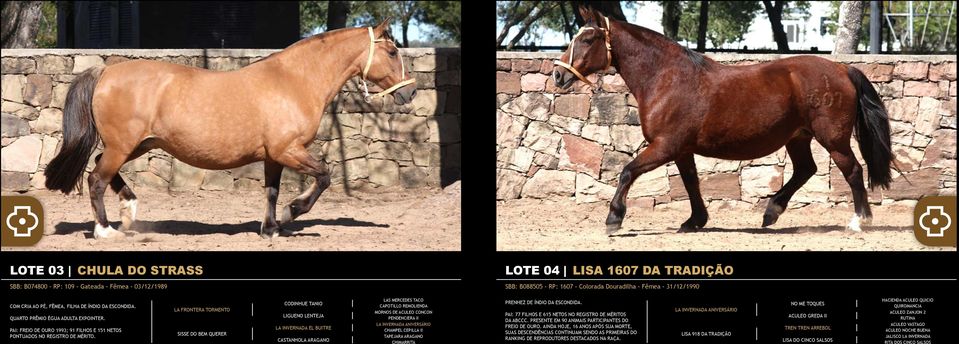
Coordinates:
[383,26]
[598,15]
[586,13]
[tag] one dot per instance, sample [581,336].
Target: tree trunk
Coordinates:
[775,14]
[850,25]
[703,20]
[20,24]
[888,35]
[336,15]
[407,9]
[671,14]
[566,24]
[529,22]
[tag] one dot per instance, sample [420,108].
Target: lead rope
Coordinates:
[369,61]
[572,50]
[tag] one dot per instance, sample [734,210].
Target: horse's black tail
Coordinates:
[79,134]
[872,130]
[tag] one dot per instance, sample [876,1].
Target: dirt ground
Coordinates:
[391,220]
[528,224]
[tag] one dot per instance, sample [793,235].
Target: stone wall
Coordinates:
[379,144]
[556,144]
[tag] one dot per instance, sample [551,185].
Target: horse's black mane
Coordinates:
[388,34]
[696,58]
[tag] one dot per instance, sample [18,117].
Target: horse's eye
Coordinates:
[393,53]
[587,41]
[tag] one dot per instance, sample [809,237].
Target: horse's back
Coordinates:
[144,80]
[202,117]
[146,71]
[756,109]
[815,67]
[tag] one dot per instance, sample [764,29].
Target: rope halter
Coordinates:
[572,50]
[369,62]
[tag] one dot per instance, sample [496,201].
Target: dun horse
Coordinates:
[689,104]
[268,111]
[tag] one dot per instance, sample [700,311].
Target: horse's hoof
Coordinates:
[100,232]
[691,225]
[287,216]
[126,223]
[612,228]
[128,214]
[614,221]
[269,233]
[770,219]
[854,224]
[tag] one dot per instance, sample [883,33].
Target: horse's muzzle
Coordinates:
[405,94]
[563,78]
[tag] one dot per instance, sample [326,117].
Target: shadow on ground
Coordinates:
[788,230]
[189,227]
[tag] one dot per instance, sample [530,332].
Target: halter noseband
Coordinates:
[572,49]
[366,69]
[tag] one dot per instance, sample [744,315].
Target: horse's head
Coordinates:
[588,52]
[383,65]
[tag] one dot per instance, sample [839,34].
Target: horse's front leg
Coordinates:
[300,160]
[272,170]
[687,170]
[648,160]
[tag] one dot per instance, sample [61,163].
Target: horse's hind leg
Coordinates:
[128,200]
[301,161]
[699,216]
[804,167]
[651,158]
[852,171]
[102,175]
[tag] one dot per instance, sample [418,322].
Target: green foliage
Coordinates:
[731,20]
[372,12]
[796,9]
[442,16]
[312,16]
[728,20]
[445,15]
[553,20]
[560,17]
[935,28]
[47,34]
[550,21]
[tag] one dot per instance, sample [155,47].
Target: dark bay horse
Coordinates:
[689,104]
[268,111]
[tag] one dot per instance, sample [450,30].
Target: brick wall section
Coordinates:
[379,144]
[554,144]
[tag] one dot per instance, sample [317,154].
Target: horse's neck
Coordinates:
[642,59]
[324,65]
